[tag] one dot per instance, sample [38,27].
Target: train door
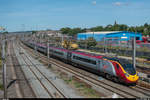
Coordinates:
[99,65]
[69,54]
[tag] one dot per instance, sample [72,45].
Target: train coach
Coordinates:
[118,70]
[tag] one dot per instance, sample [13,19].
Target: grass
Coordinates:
[68,80]
[79,85]
[83,88]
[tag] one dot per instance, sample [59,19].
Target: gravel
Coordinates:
[59,83]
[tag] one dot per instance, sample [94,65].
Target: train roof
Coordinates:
[60,49]
[76,52]
[92,55]
[88,54]
[43,45]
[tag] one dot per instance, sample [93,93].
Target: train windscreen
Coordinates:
[128,67]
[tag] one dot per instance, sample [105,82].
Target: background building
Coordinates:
[49,32]
[110,35]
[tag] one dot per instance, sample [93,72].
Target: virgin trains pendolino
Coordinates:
[118,70]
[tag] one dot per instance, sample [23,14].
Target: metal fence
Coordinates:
[119,47]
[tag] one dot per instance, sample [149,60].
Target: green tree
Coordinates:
[123,27]
[6,32]
[108,28]
[98,28]
[144,29]
[72,31]
[91,42]
[146,25]
[132,29]
[65,30]
[148,30]
[33,32]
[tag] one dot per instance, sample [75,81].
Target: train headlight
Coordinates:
[126,75]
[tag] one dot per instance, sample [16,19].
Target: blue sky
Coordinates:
[18,15]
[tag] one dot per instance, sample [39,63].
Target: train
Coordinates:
[144,40]
[116,69]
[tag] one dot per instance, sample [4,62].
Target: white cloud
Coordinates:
[120,4]
[117,3]
[94,2]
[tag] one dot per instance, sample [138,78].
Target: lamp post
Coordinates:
[35,47]
[134,51]
[48,51]
[86,42]
[4,63]
[105,44]
[4,68]
[62,40]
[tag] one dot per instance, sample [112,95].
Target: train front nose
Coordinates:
[131,78]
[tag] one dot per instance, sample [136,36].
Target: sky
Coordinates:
[23,15]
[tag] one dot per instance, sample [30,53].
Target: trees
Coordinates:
[148,30]
[144,29]
[109,28]
[98,28]
[5,32]
[91,42]
[72,31]
[65,30]
[123,27]
[33,32]
[146,25]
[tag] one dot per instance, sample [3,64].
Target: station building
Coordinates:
[110,35]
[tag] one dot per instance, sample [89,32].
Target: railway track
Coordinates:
[11,62]
[59,91]
[42,79]
[142,90]
[22,88]
[123,91]
[143,69]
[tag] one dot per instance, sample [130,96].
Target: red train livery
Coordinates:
[116,69]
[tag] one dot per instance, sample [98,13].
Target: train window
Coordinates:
[93,62]
[128,67]
[42,47]
[84,60]
[117,66]
[60,53]
[137,38]
[51,50]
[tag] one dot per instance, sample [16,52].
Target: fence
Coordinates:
[118,46]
